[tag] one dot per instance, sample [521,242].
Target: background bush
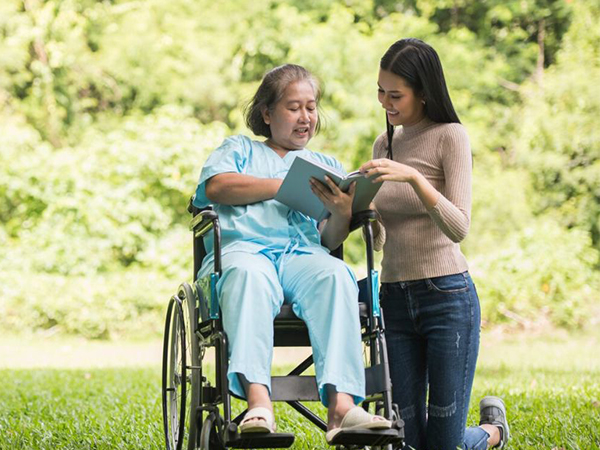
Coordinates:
[109,109]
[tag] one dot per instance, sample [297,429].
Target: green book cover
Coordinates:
[295,191]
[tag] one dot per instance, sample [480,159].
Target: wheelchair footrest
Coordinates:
[233,439]
[368,437]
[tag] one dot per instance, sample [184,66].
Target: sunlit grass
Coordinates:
[551,386]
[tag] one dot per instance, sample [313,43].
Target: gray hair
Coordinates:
[271,91]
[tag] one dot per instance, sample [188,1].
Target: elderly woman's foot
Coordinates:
[258,420]
[358,419]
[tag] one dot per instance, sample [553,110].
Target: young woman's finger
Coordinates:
[369,165]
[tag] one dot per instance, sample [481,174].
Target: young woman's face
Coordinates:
[402,105]
[294,117]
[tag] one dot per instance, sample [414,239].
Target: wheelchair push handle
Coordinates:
[361,218]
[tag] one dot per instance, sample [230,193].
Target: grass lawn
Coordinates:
[551,385]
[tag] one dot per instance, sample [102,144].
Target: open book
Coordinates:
[295,191]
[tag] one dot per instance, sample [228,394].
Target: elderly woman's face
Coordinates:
[294,117]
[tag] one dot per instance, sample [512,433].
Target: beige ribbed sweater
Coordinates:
[421,243]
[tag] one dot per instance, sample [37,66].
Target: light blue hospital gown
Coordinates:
[272,255]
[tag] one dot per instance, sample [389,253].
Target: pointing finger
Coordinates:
[367,166]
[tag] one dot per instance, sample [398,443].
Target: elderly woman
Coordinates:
[273,255]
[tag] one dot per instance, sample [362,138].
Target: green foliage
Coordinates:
[106,306]
[53,79]
[512,27]
[560,137]
[97,206]
[494,220]
[108,110]
[540,274]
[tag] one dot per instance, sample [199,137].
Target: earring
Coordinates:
[423,101]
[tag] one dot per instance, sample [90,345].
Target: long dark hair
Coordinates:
[271,90]
[419,65]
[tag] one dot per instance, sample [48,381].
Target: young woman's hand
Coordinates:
[387,170]
[338,203]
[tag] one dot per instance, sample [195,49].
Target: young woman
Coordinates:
[431,306]
[272,255]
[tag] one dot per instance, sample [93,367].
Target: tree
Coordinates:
[560,138]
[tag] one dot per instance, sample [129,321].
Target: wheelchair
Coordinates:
[196,404]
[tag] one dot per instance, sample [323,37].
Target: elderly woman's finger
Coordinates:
[334,188]
[352,189]
[319,184]
[319,188]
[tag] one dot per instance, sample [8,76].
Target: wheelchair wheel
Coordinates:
[180,375]
[210,438]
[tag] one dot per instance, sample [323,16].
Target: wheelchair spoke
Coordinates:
[174,425]
[174,351]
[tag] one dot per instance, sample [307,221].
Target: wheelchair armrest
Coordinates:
[192,209]
[204,220]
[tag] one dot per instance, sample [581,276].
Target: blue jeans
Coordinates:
[432,332]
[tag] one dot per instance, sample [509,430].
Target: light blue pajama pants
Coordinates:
[322,291]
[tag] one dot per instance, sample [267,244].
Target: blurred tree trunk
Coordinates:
[539,73]
[50,126]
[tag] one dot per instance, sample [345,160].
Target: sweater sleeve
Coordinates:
[452,213]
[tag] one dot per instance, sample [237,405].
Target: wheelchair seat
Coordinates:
[290,331]
[287,314]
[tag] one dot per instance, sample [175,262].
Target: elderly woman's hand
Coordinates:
[337,202]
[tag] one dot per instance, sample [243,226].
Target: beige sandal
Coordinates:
[359,419]
[258,420]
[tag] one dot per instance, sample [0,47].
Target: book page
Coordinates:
[354,174]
